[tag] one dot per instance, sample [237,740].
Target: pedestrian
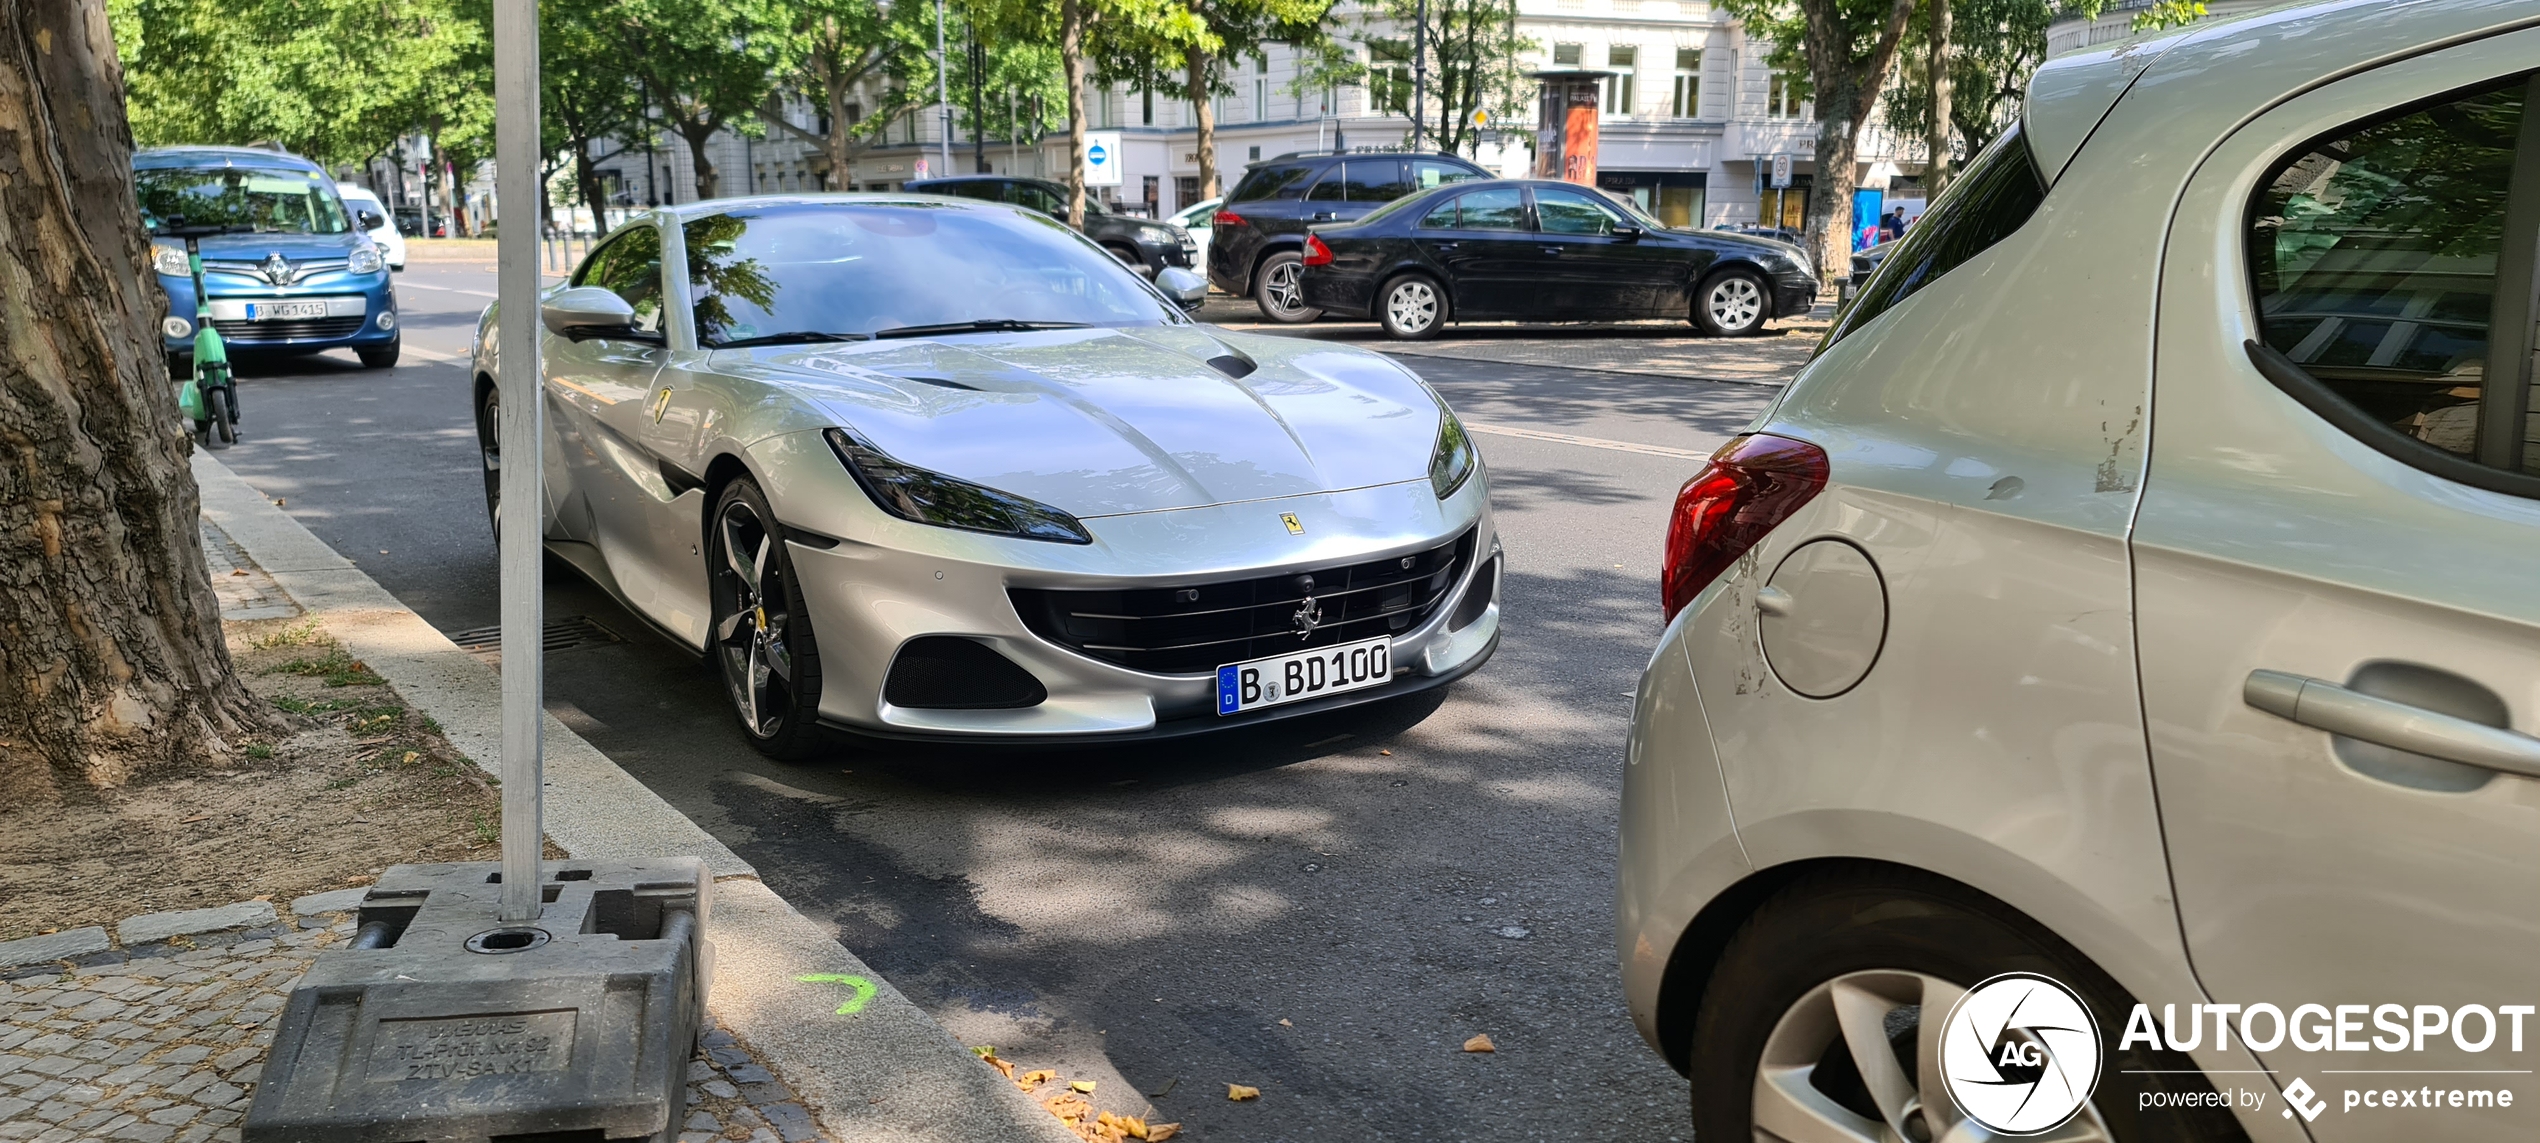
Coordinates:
[1892,225]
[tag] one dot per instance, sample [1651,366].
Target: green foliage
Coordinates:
[335,80]
[1477,62]
[2168,14]
[1996,45]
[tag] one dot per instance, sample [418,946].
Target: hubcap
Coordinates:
[1413,305]
[1281,285]
[1857,1060]
[490,452]
[1735,303]
[752,636]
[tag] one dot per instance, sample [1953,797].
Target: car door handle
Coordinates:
[1326,216]
[2327,706]
[1555,251]
[1446,245]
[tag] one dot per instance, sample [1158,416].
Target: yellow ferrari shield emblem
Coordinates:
[661,405]
[1289,519]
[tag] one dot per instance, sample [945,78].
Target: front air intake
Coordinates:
[947,672]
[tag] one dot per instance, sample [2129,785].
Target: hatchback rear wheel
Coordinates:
[1280,289]
[1823,1019]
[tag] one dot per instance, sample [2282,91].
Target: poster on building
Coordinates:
[1565,128]
[1781,171]
[1102,158]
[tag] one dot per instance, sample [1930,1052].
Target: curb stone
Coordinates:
[150,927]
[883,1071]
[52,947]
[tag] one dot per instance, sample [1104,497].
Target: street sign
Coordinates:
[1781,172]
[1102,158]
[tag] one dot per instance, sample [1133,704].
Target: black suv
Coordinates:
[1257,242]
[1149,246]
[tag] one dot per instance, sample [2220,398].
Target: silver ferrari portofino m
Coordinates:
[931,468]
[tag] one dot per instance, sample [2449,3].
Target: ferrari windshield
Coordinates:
[816,271]
[265,200]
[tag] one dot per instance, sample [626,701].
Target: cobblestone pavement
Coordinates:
[163,1043]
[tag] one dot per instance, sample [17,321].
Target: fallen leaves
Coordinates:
[1084,1086]
[1070,1107]
[1284,1022]
[1240,1092]
[1480,1043]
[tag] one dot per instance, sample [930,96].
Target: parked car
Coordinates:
[392,245]
[1196,220]
[2198,672]
[1023,496]
[1148,246]
[1531,250]
[295,273]
[1865,262]
[1257,243]
[410,221]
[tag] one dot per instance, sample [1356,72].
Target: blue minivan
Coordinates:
[296,274]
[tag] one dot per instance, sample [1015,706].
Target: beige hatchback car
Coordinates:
[2138,592]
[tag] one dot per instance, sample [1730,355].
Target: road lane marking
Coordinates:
[436,355]
[1586,442]
[452,290]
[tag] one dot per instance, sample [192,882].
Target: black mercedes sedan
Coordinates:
[1530,250]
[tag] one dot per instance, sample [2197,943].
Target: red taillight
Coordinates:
[1751,485]
[1227,218]
[1317,254]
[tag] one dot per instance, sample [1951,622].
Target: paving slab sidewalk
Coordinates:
[881,1069]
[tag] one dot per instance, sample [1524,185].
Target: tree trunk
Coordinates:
[839,146]
[1936,170]
[1071,54]
[587,177]
[697,135]
[1844,99]
[111,658]
[1201,64]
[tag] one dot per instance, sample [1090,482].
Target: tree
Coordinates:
[1477,63]
[845,49]
[1992,48]
[111,657]
[1936,134]
[705,65]
[1845,49]
[586,91]
[1218,30]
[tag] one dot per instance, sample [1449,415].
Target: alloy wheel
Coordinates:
[754,626]
[489,452]
[1413,306]
[1283,282]
[1734,302]
[1857,1060]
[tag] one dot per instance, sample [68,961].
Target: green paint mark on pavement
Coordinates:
[863,989]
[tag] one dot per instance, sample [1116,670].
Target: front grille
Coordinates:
[1196,628]
[307,329]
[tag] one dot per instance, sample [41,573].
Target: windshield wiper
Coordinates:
[984,325]
[796,337]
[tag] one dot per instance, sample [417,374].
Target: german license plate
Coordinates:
[1301,675]
[284,311]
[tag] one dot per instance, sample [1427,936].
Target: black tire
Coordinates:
[1279,289]
[1826,926]
[220,421]
[489,456]
[1412,307]
[1732,303]
[380,357]
[759,633]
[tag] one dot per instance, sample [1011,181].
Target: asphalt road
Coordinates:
[1324,908]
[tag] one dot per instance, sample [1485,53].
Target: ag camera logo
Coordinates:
[2020,1054]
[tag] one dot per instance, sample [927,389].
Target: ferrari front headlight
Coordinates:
[1452,460]
[170,260]
[914,494]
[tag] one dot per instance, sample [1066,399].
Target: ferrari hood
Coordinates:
[1106,422]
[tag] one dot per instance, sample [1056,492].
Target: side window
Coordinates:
[1330,187]
[1032,196]
[1440,217]
[1499,208]
[1996,195]
[1376,180]
[1285,181]
[631,269]
[595,265]
[1570,212]
[1429,174]
[2374,256]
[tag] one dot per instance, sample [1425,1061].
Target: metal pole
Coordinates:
[519,432]
[943,90]
[1419,75]
[978,101]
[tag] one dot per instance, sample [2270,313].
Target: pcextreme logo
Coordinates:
[2020,1054]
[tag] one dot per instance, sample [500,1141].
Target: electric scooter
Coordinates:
[212,399]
